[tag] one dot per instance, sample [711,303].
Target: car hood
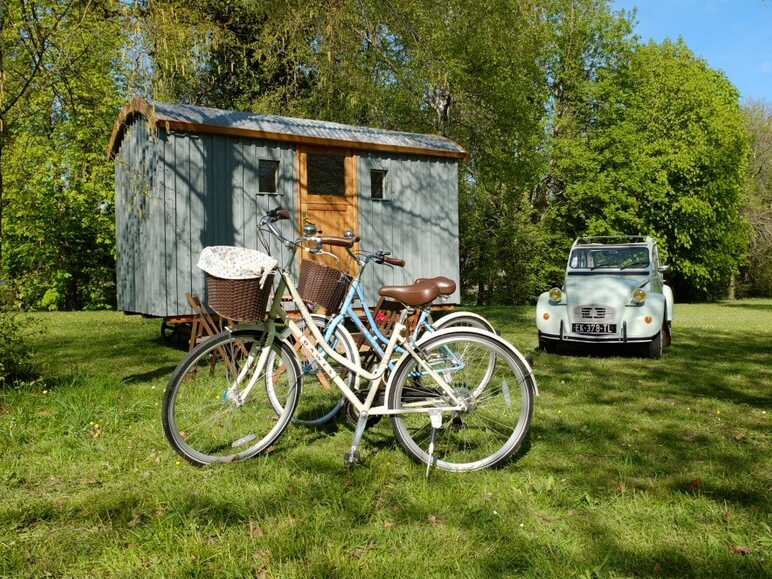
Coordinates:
[599,289]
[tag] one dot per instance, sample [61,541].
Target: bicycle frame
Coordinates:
[375,338]
[312,347]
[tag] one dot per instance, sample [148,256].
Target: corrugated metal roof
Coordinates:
[211,120]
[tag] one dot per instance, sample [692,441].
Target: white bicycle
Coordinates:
[234,395]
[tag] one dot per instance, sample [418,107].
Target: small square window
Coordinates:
[377,183]
[267,175]
[326,174]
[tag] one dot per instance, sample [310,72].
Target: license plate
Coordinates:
[594,328]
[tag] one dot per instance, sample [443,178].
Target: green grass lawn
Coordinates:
[634,468]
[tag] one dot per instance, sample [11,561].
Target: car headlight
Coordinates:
[555,294]
[639,295]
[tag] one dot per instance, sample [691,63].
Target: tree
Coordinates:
[472,72]
[757,279]
[29,57]
[661,149]
[65,76]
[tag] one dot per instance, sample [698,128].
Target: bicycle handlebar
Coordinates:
[278,214]
[381,257]
[394,261]
[339,241]
[281,213]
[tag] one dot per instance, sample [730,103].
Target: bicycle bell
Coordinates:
[309,230]
[348,234]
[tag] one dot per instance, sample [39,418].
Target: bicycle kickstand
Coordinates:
[436,421]
[352,456]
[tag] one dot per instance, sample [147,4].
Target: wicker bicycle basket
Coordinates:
[322,285]
[241,300]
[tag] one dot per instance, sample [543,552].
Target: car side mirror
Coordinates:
[663,268]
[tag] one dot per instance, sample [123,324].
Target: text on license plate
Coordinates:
[594,328]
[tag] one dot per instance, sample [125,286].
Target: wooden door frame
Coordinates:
[351,170]
[351,177]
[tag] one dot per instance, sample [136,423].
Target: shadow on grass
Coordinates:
[749,306]
[162,372]
[653,424]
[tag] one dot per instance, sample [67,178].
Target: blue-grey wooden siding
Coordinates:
[177,193]
[199,190]
[417,220]
[134,202]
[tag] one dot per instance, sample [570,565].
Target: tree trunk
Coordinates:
[731,290]
[2,198]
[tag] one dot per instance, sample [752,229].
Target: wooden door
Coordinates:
[328,199]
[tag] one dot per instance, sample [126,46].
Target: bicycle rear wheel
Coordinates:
[322,400]
[470,320]
[500,402]
[204,419]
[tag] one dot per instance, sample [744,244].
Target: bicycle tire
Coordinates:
[413,431]
[222,354]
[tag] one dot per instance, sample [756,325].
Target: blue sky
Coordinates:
[732,35]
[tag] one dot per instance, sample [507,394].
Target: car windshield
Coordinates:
[609,257]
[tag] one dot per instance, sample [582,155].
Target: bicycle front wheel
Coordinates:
[499,401]
[209,416]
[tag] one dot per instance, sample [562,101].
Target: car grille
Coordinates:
[593,313]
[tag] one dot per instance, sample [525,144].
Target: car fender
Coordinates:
[669,301]
[635,317]
[556,313]
[431,335]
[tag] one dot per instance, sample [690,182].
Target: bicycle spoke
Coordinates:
[482,433]
[204,425]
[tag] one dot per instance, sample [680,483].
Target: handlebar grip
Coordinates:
[394,261]
[339,241]
[282,213]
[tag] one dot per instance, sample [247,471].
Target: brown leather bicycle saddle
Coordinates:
[415,295]
[446,285]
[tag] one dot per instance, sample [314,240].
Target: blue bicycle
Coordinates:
[321,402]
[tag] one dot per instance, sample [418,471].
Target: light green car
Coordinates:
[613,293]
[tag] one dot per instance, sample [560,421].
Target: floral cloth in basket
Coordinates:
[229,262]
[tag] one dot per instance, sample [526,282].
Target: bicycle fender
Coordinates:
[450,317]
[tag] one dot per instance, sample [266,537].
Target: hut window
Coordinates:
[326,174]
[377,183]
[268,171]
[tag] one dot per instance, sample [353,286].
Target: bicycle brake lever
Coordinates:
[316,251]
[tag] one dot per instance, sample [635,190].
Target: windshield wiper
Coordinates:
[634,264]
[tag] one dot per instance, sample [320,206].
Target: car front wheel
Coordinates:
[548,346]
[654,348]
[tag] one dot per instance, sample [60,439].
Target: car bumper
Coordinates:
[640,323]
[610,339]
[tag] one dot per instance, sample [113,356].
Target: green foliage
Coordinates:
[757,276]
[58,245]
[573,127]
[16,330]
[660,148]
[15,355]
